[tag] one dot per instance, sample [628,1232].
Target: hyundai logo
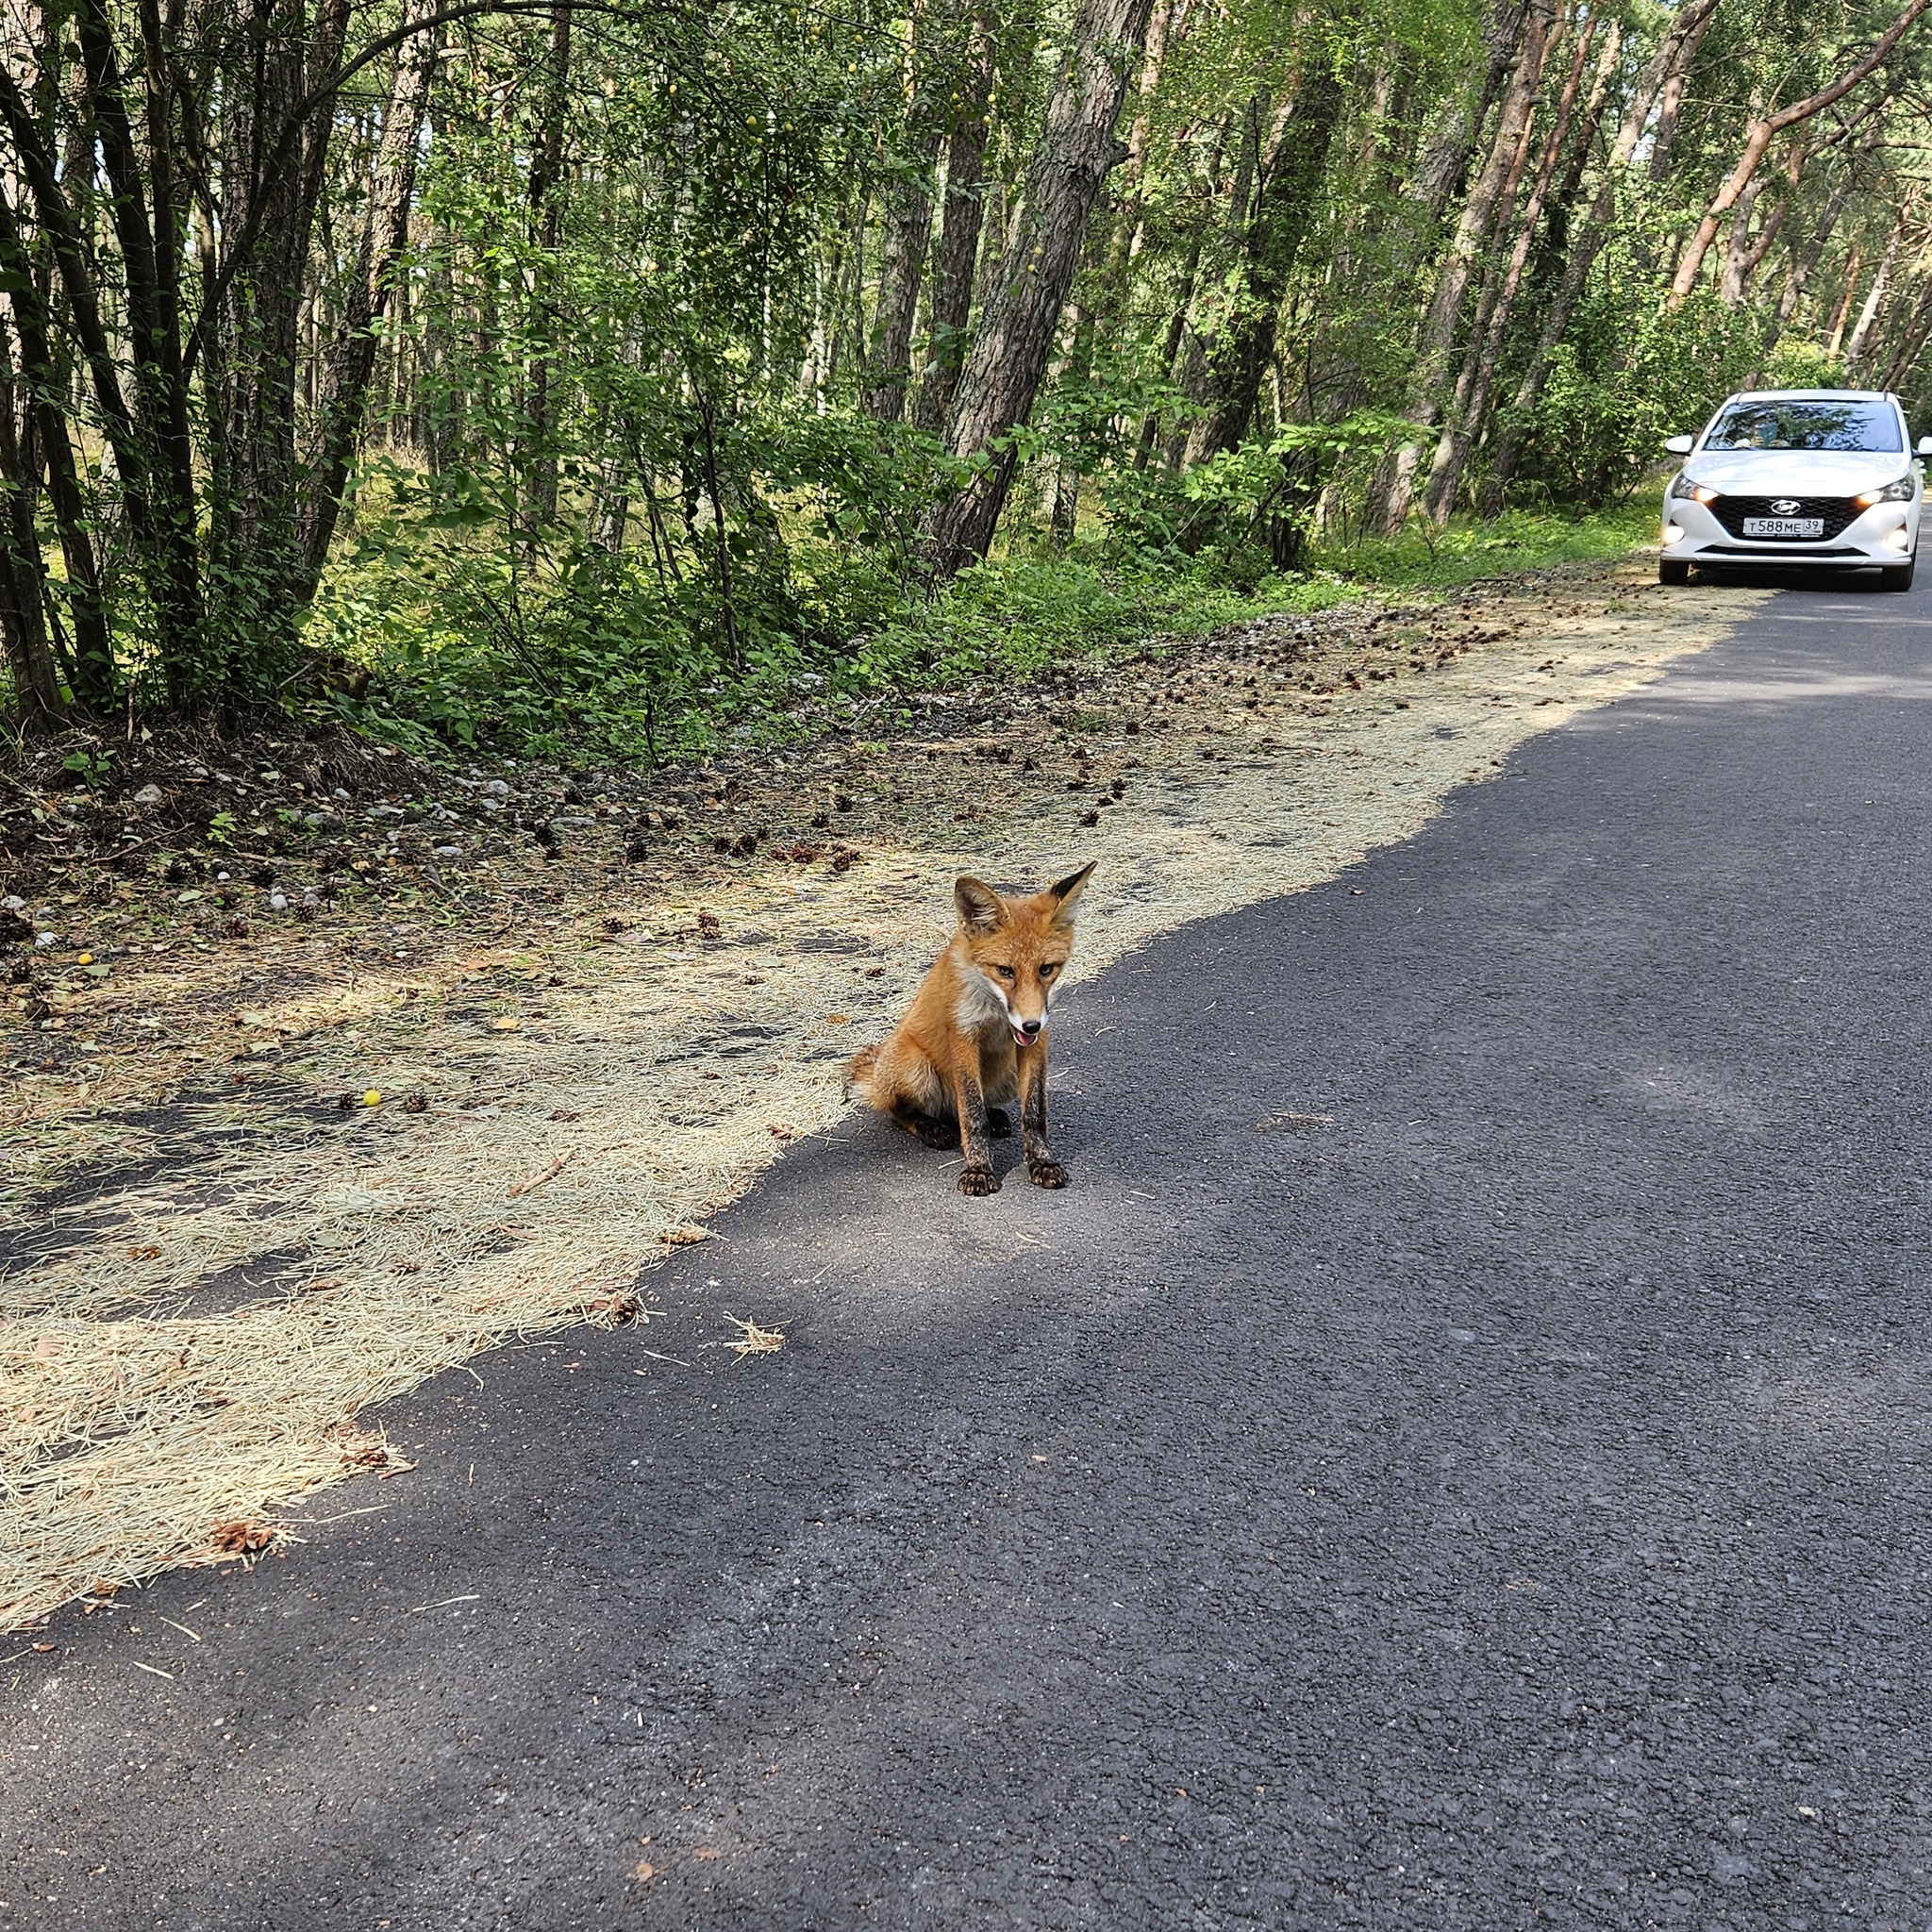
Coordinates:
[1784,506]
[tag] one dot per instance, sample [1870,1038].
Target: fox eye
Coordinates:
[1004,971]
[1048,971]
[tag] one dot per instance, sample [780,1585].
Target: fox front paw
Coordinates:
[1046,1174]
[979,1180]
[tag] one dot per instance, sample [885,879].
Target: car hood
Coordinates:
[1794,472]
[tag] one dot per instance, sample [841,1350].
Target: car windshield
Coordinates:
[1855,424]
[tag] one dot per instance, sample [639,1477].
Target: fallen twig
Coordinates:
[550,1172]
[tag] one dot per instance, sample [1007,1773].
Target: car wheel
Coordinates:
[1896,577]
[1669,571]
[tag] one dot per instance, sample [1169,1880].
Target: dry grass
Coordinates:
[220,1282]
[751,1339]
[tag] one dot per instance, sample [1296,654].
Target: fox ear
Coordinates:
[1065,893]
[981,910]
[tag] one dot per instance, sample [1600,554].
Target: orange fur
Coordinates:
[974,1039]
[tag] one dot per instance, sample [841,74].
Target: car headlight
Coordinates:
[1903,490]
[1681,485]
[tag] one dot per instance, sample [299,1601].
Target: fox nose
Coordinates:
[1031,1027]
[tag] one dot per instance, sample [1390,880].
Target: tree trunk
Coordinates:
[1911,343]
[1798,273]
[546,212]
[1764,129]
[961,219]
[1881,286]
[945,39]
[256,514]
[1564,198]
[1458,266]
[1279,223]
[1003,373]
[1461,426]
[1730,287]
[1666,69]
[1196,376]
[385,234]
[1745,253]
[46,432]
[903,250]
[1834,338]
[1165,25]
[147,437]
[610,507]
[1063,508]
[23,610]
[1446,159]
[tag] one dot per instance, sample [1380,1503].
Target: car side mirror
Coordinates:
[1925,445]
[1682,445]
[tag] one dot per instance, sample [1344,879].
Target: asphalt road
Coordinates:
[1498,1499]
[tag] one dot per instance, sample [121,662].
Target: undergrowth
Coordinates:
[437,637]
[578,668]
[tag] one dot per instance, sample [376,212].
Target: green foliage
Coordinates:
[1252,511]
[1630,375]
[478,630]
[1467,549]
[619,492]
[578,664]
[1796,363]
[92,768]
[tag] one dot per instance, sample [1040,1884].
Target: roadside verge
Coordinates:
[208,1280]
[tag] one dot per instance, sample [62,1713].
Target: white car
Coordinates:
[1822,477]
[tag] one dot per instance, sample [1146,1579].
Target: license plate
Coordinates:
[1784,526]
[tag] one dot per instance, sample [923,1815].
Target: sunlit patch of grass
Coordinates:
[1467,548]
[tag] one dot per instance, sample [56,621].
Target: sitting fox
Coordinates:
[975,1042]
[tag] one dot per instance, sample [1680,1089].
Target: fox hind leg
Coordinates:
[905,1087]
[929,1130]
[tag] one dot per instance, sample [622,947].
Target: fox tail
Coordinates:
[858,1070]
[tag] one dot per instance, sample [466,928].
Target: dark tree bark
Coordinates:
[962,216]
[147,436]
[1444,162]
[273,186]
[546,219]
[1010,351]
[22,608]
[46,433]
[1280,218]
[902,270]
[945,38]
[385,233]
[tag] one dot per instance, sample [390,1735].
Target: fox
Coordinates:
[973,1045]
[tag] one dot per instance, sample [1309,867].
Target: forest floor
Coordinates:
[328,1070]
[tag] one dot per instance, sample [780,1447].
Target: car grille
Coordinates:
[1837,512]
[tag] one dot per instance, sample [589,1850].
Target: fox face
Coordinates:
[1016,950]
